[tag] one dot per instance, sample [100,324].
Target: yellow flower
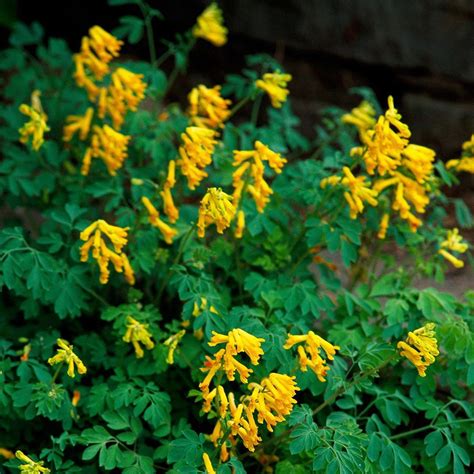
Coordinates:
[168,205]
[110,146]
[274,84]
[252,161]
[197,310]
[383,226]
[196,153]
[36,126]
[454,243]
[216,208]
[125,92]
[138,333]
[208,464]
[209,26]
[419,160]
[93,238]
[172,343]
[83,79]
[311,355]
[78,123]
[239,231]
[167,232]
[207,108]
[30,466]
[171,178]
[420,347]
[65,354]
[6,453]
[362,116]
[466,162]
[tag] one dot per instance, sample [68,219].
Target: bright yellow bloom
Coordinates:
[250,169]
[30,466]
[125,92]
[36,126]
[78,123]
[167,232]
[466,162]
[383,226]
[137,333]
[171,177]
[93,238]
[6,453]
[216,208]
[273,398]
[209,26]
[362,116]
[274,84]
[311,355]
[65,354]
[207,108]
[168,205]
[172,343]
[196,153]
[420,347]
[454,243]
[245,427]
[208,464]
[197,310]
[419,160]
[110,146]
[83,79]
[239,231]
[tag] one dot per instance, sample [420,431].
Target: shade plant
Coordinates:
[201,288]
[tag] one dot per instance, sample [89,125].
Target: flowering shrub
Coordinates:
[203,289]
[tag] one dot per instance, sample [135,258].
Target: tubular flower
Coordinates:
[171,177]
[209,26]
[197,310]
[207,108]
[216,208]
[125,92]
[195,153]
[211,366]
[30,466]
[250,169]
[311,355]
[454,243]
[93,236]
[207,464]
[6,453]
[36,126]
[65,354]
[172,343]
[78,123]
[466,162]
[168,205]
[419,160]
[420,347]
[273,398]
[383,226]
[167,232]
[138,333]
[274,84]
[362,116]
[110,146]
[239,230]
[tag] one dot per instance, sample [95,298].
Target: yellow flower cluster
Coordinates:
[275,85]
[93,238]
[196,153]
[110,146]
[36,126]
[207,108]
[216,208]
[420,347]
[466,162]
[249,176]
[30,466]
[396,163]
[66,354]
[209,26]
[311,355]
[172,343]
[167,231]
[78,124]
[358,190]
[453,242]
[168,204]
[137,333]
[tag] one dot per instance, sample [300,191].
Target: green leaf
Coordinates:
[130,27]
[304,438]
[443,457]
[463,214]
[433,442]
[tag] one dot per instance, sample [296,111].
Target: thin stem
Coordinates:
[256,110]
[149,31]
[427,427]
[238,106]
[58,369]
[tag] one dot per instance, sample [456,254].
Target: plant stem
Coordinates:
[238,106]
[427,427]
[149,32]
[256,110]
[55,376]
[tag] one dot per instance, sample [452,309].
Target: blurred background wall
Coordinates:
[421,51]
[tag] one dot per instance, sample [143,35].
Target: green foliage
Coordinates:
[302,265]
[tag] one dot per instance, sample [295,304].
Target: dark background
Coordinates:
[420,51]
